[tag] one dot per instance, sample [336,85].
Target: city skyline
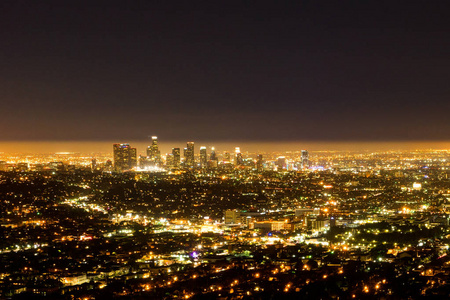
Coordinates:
[372,224]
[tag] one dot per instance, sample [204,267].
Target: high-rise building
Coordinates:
[153,153]
[144,162]
[281,162]
[133,158]
[189,160]
[238,159]
[305,159]
[124,157]
[170,160]
[213,155]
[213,160]
[176,157]
[203,157]
[226,157]
[259,162]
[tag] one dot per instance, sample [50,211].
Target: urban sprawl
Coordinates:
[216,224]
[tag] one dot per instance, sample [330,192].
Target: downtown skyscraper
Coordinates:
[176,157]
[305,159]
[189,159]
[153,152]
[125,157]
[203,157]
[259,162]
[239,160]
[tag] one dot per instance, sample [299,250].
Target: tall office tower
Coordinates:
[176,157]
[189,160]
[133,158]
[226,157]
[93,164]
[213,155]
[305,159]
[169,160]
[124,157]
[239,160]
[281,162]
[213,160]
[153,152]
[203,157]
[144,162]
[259,162]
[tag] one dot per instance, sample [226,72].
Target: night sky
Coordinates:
[225,70]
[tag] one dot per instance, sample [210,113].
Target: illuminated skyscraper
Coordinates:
[305,159]
[239,160]
[189,160]
[213,155]
[226,157]
[170,160]
[259,162]
[124,157]
[94,164]
[213,160]
[144,162]
[176,157]
[133,158]
[153,153]
[281,162]
[203,157]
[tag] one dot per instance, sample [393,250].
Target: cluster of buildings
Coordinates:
[126,158]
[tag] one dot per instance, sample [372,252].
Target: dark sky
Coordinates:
[225,70]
